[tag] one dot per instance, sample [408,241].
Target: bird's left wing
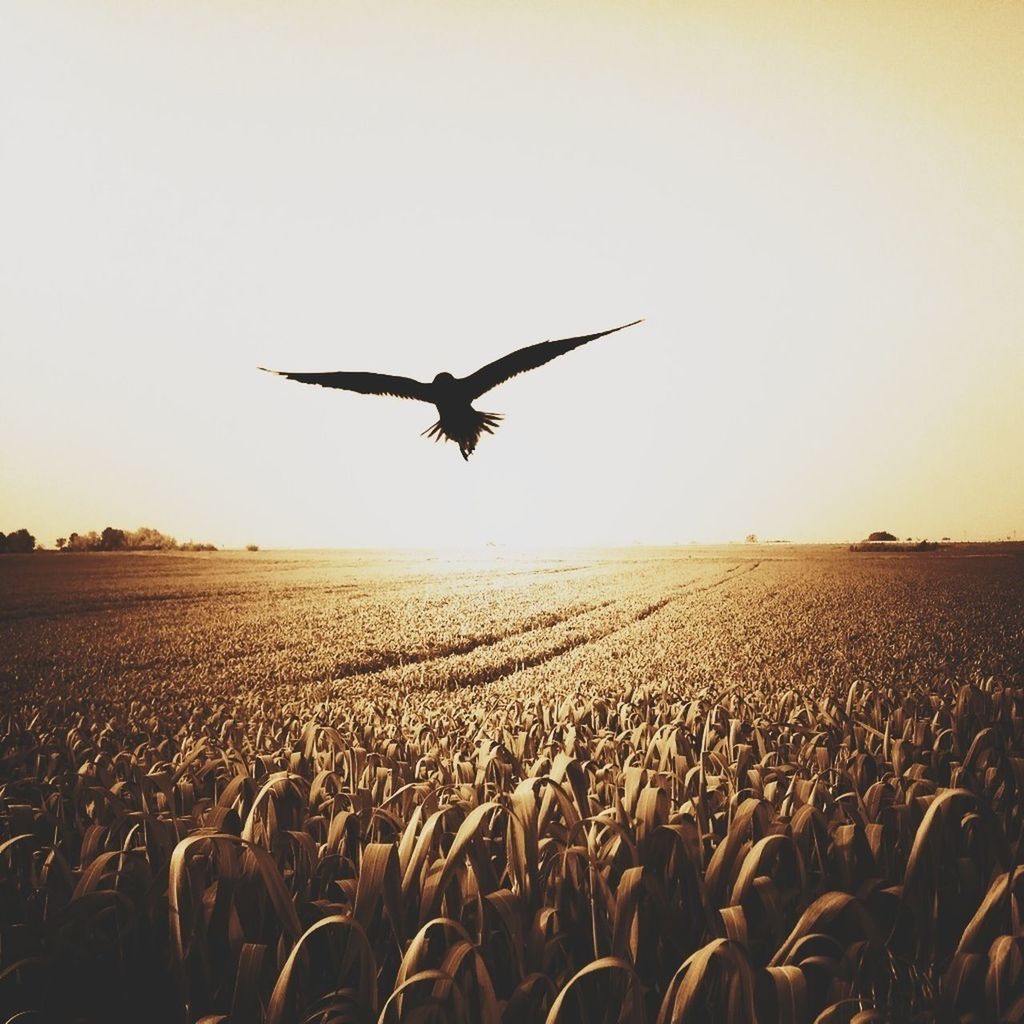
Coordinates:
[528,358]
[363,383]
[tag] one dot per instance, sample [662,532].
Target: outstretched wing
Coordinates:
[364,383]
[528,358]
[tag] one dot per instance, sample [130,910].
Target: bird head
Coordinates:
[444,378]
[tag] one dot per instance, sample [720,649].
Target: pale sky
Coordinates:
[817,207]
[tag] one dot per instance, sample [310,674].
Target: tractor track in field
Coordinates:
[467,646]
[508,667]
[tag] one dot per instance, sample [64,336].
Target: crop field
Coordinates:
[746,783]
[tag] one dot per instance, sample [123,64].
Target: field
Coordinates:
[738,783]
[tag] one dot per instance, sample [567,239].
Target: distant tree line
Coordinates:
[894,545]
[17,543]
[883,540]
[145,538]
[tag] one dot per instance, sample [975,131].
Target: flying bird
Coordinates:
[457,420]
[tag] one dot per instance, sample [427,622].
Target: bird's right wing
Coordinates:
[528,358]
[363,383]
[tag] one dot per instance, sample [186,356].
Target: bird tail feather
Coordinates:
[467,433]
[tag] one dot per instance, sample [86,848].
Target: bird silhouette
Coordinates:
[457,420]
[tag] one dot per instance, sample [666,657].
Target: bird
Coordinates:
[453,396]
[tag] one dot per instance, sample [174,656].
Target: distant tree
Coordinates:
[84,542]
[61,541]
[252,547]
[145,538]
[20,542]
[751,538]
[112,539]
[881,535]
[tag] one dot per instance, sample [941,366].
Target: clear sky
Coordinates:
[818,207]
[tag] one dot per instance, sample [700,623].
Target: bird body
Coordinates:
[453,396]
[457,420]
